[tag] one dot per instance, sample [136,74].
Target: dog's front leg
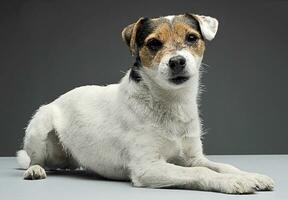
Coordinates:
[263,182]
[161,174]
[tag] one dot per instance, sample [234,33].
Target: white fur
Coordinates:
[208,26]
[23,159]
[170,17]
[147,132]
[35,172]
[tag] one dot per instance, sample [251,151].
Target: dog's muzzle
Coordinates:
[177,66]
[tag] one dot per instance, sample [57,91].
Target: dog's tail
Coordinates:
[23,159]
[35,141]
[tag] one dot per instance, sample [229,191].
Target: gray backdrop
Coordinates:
[50,47]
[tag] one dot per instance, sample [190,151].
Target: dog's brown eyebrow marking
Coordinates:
[162,32]
[182,29]
[172,33]
[190,21]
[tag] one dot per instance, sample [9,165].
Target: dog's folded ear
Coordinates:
[208,25]
[129,34]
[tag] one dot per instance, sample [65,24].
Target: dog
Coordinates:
[146,129]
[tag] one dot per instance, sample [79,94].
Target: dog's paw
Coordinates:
[35,172]
[236,184]
[262,182]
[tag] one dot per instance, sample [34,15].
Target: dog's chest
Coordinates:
[179,150]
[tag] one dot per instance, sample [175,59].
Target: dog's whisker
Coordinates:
[123,72]
[205,65]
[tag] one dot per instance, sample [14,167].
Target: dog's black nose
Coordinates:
[177,64]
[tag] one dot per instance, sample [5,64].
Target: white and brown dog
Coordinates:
[146,128]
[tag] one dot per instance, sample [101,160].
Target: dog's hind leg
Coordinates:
[34,154]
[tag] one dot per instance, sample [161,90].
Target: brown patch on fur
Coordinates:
[146,57]
[182,30]
[173,37]
[164,34]
[199,47]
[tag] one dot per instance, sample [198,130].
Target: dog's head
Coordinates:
[169,50]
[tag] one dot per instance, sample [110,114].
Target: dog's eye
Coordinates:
[154,44]
[191,38]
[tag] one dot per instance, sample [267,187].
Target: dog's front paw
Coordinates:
[35,172]
[236,184]
[262,182]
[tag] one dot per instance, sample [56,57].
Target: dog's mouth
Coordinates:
[179,79]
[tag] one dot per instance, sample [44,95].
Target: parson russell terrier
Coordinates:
[145,129]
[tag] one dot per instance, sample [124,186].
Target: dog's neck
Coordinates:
[168,96]
[161,104]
